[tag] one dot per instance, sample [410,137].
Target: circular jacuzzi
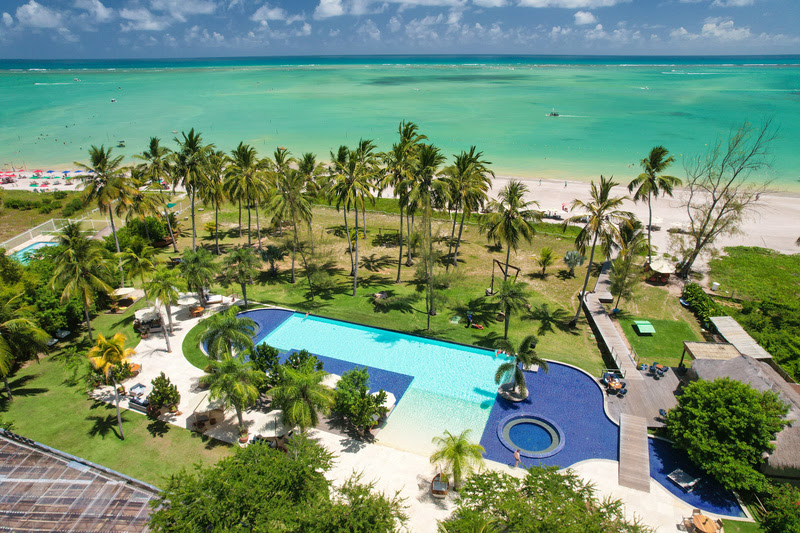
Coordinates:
[534,436]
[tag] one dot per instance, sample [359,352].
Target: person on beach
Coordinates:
[516,458]
[565,184]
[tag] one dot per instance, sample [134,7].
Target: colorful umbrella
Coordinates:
[51,171]
[66,172]
[38,171]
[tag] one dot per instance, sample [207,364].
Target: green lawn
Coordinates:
[757,274]
[665,346]
[15,221]
[737,526]
[49,410]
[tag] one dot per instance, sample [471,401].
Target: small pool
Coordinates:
[24,255]
[533,436]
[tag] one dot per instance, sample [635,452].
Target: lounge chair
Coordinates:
[622,393]
[440,486]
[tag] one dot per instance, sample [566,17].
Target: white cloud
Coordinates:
[36,15]
[180,9]
[304,31]
[395,24]
[8,20]
[682,34]
[732,3]
[369,29]
[291,19]
[328,8]
[95,7]
[572,4]
[198,35]
[583,18]
[558,32]
[267,12]
[334,33]
[143,20]
[490,3]
[724,30]
[596,33]
[423,29]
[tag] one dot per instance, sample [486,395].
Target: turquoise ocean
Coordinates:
[612,109]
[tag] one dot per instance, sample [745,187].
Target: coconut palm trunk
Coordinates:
[409,262]
[8,389]
[458,241]
[258,228]
[294,248]
[400,257]
[116,401]
[649,228]
[169,317]
[452,234]
[166,338]
[194,233]
[249,243]
[349,243]
[240,218]
[216,226]
[244,293]
[355,261]
[171,234]
[432,310]
[88,322]
[585,281]
[508,257]
[116,242]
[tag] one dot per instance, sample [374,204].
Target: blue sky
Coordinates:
[56,29]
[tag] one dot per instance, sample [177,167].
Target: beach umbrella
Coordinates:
[51,171]
[66,172]
[34,185]
[38,171]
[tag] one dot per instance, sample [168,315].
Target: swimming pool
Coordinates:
[453,386]
[23,256]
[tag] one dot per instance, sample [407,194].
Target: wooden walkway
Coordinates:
[634,457]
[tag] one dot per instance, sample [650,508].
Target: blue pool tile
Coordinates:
[267,319]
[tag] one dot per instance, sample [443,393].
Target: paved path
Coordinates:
[634,456]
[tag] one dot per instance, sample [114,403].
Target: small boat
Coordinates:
[440,486]
[553,113]
[113,100]
[120,144]
[76,79]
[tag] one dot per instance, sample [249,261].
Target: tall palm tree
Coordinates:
[370,159]
[350,187]
[239,267]
[275,168]
[80,269]
[422,186]
[106,356]
[513,298]
[198,269]
[190,168]
[156,167]
[522,356]
[457,455]
[511,218]
[399,161]
[20,337]
[469,183]
[165,286]
[291,200]
[302,396]
[603,217]
[242,178]
[312,171]
[213,190]
[653,183]
[234,381]
[228,334]
[138,261]
[107,186]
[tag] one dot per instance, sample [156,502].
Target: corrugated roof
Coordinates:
[732,332]
[720,351]
[42,489]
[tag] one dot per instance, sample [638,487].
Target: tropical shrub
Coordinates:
[701,304]
[164,393]
[354,402]
[266,359]
[72,207]
[298,359]
[781,510]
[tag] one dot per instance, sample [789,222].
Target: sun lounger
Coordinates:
[214,299]
[683,480]
[439,486]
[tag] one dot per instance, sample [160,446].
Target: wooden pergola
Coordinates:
[720,351]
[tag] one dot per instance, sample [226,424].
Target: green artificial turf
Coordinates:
[665,345]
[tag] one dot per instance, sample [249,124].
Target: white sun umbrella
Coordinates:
[147,315]
[662,266]
[331,380]
[187,299]
[390,399]
[122,292]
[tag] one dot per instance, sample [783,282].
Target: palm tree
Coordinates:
[143,205]
[272,254]
[198,269]
[469,186]
[138,261]
[239,267]
[602,223]
[213,190]
[623,281]
[399,162]
[546,258]
[242,178]
[652,182]
[522,356]
[350,186]
[156,167]
[548,318]
[290,200]
[20,337]
[107,186]
[457,455]
[228,334]
[302,396]
[234,381]
[107,355]
[190,166]
[80,267]
[573,259]
[511,218]
[312,171]
[165,286]
[422,186]
[512,298]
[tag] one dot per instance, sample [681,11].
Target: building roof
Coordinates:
[784,460]
[720,351]
[43,489]
[735,334]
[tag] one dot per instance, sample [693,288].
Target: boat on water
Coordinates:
[553,113]
[120,144]
[113,100]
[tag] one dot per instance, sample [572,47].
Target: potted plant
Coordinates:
[164,394]
[243,435]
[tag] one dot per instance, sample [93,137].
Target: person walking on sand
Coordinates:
[516,458]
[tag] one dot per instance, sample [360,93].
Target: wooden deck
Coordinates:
[634,457]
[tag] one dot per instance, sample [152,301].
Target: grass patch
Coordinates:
[108,324]
[737,526]
[15,221]
[754,273]
[49,410]
[191,347]
[665,346]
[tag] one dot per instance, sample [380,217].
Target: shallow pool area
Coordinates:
[23,255]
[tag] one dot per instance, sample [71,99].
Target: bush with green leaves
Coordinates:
[354,402]
[702,304]
[164,393]
[263,489]
[544,500]
[298,359]
[726,427]
[266,359]
[72,207]
[781,510]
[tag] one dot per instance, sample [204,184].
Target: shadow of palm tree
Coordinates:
[402,304]
[18,388]
[103,425]
[374,280]
[158,428]
[563,274]
[483,310]
[211,443]
[489,340]
[375,264]
[550,319]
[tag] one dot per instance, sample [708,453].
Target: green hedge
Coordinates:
[703,306]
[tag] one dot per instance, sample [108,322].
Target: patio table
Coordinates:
[704,523]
